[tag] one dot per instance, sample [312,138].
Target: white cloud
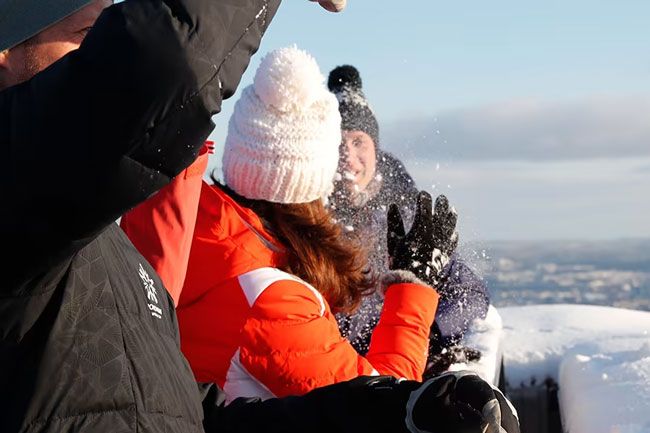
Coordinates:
[612,126]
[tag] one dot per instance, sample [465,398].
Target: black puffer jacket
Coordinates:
[88,335]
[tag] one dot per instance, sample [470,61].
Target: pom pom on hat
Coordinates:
[356,114]
[288,78]
[344,77]
[284,134]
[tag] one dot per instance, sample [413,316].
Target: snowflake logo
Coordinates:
[148,285]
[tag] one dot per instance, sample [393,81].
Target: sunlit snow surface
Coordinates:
[484,335]
[599,356]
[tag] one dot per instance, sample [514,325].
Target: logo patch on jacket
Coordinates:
[152,294]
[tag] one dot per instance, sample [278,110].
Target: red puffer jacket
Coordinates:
[245,324]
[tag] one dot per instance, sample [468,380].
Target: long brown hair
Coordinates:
[317,251]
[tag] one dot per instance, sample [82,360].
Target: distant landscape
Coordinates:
[613,273]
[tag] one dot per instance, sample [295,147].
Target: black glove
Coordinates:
[440,362]
[426,249]
[460,402]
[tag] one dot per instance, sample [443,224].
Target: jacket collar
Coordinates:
[229,240]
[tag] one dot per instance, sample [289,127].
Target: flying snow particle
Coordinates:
[348,175]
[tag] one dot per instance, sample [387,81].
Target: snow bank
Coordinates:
[599,356]
[536,338]
[485,336]
[604,392]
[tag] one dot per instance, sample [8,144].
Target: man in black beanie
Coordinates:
[360,179]
[370,181]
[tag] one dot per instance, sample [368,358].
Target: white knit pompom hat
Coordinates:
[284,135]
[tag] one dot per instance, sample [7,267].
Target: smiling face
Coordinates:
[358,160]
[25,60]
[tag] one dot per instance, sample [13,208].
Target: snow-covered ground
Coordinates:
[606,391]
[599,356]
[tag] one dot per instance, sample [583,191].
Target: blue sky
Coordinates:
[536,113]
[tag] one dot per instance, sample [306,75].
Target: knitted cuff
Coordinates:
[397,277]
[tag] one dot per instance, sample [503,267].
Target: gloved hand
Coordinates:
[460,402]
[332,5]
[426,249]
[440,362]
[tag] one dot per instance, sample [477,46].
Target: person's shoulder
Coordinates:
[461,273]
[278,295]
[388,161]
[397,184]
[460,264]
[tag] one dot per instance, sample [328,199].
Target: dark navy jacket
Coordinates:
[463,295]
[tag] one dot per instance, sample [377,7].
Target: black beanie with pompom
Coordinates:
[356,114]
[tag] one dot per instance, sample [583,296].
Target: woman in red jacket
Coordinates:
[268,265]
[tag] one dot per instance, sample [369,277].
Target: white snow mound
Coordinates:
[605,392]
[599,356]
[536,338]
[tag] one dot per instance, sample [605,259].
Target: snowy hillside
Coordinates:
[609,273]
